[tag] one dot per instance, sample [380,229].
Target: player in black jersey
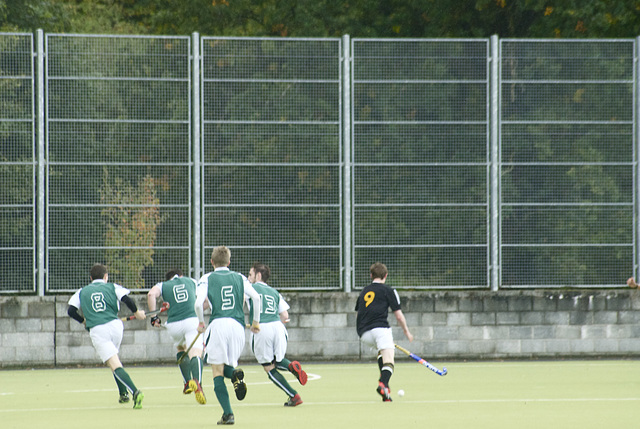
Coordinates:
[373,327]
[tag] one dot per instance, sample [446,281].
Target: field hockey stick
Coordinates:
[422,361]
[186,353]
[165,307]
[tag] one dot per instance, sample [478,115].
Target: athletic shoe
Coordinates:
[195,387]
[292,402]
[124,398]
[138,396]
[227,419]
[187,388]
[384,392]
[239,385]
[296,369]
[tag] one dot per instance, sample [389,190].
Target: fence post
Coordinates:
[196,147]
[495,163]
[636,154]
[346,154]
[42,171]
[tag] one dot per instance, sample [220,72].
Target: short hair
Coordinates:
[98,271]
[263,269]
[378,270]
[172,273]
[221,256]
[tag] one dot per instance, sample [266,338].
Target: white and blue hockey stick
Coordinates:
[422,361]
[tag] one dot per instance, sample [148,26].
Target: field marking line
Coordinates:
[311,377]
[334,403]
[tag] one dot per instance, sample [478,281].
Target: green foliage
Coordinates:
[322,18]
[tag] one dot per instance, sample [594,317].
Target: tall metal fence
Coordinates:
[420,167]
[18,165]
[272,156]
[478,163]
[118,157]
[568,138]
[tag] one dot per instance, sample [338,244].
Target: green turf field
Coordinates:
[562,394]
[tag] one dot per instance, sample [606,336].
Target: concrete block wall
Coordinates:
[36,331]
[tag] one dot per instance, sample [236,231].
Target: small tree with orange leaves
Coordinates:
[132,218]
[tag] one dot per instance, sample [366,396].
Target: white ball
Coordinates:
[400,392]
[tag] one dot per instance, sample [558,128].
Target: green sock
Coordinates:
[283,364]
[279,381]
[196,368]
[228,371]
[121,375]
[184,366]
[122,389]
[222,394]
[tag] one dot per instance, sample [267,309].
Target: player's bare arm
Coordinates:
[255,299]
[152,297]
[403,324]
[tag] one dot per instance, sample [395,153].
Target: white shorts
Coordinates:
[379,338]
[106,338]
[183,332]
[270,342]
[225,341]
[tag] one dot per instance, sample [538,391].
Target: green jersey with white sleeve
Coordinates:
[225,291]
[100,302]
[180,293]
[272,303]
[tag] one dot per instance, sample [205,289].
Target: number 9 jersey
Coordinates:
[373,307]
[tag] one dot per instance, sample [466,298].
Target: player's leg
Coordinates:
[123,378]
[381,339]
[280,342]
[235,344]
[196,367]
[220,388]
[176,331]
[278,379]
[386,348]
[224,346]
[216,356]
[193,363]
[295,368]
[106,340]
[185,371]
[387,366]
[122,390]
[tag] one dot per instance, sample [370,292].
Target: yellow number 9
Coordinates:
[368,298]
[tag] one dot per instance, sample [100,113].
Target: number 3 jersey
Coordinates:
[373,307]
[99,301]
[272,303]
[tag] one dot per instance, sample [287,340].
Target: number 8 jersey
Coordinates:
[373,307]
[99,301]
